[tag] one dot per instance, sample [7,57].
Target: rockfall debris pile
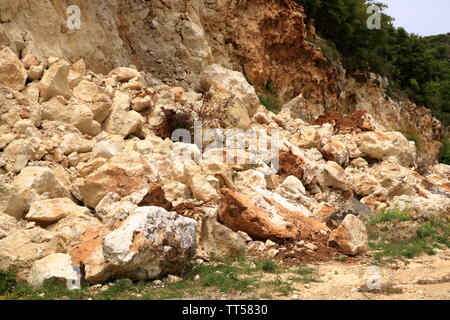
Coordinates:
[90,187]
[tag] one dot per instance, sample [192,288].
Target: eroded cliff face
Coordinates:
[175,40]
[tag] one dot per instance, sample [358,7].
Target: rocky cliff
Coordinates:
[90,176]
[174,41]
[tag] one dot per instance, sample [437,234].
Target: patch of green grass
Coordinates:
[270,102]
[304,271]
[280,286]
[307,274]
[7,282]
[396,215]
[118,288]
[430,235]
[224,277]
[176,290]
[267,265]
[51,289]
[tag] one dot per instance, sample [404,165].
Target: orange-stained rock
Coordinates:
[350,237]
[90,254]
[267,219]
[122,174]
[290,164]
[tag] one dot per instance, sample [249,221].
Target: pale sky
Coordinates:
[423,17]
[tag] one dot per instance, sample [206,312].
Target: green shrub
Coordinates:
[7,282]
[445,151]
[270,102]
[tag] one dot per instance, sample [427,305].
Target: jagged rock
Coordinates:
[264,219]
[380,146]
[149,243]
[420,208]
[52,210]
[350,237]
[34,182]
[122,174]
[439,175]
[71,227]
[176,191]
[214,239]
[333,150]
[197,182]
[217,77]
[351,206]
[12,202]
[291,187]
[123,123]
[123,74]
[113,207]
[107,148]
[226,110]
[362,183]
[20,151]
[307,137]
[76,143]
[55,81]
[36,72]
[86,91]
[7,225]
[21,248]
[12,72]
[57,265]
[78,115]
[332,175]
[250,179]
[76,73]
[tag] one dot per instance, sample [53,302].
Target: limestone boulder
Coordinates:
[70,228]
[55,81]
[8,225]
[21,248]
[263,218]
[216,240]
[12,72]
[123,174]
[222,79]
[56,265]
[12,202]
[52,210]
[149,243]
[193,177]
[35,183]
[350,237]
[380,146]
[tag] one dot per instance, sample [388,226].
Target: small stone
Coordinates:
[311,246]
[269,243]
[273,252]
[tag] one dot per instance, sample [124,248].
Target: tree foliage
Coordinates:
[420,66]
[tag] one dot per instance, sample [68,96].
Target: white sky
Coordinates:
[423,17]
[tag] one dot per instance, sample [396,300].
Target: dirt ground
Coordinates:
[421,278]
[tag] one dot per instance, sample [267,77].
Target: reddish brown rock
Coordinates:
[290,164]
[274,222]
